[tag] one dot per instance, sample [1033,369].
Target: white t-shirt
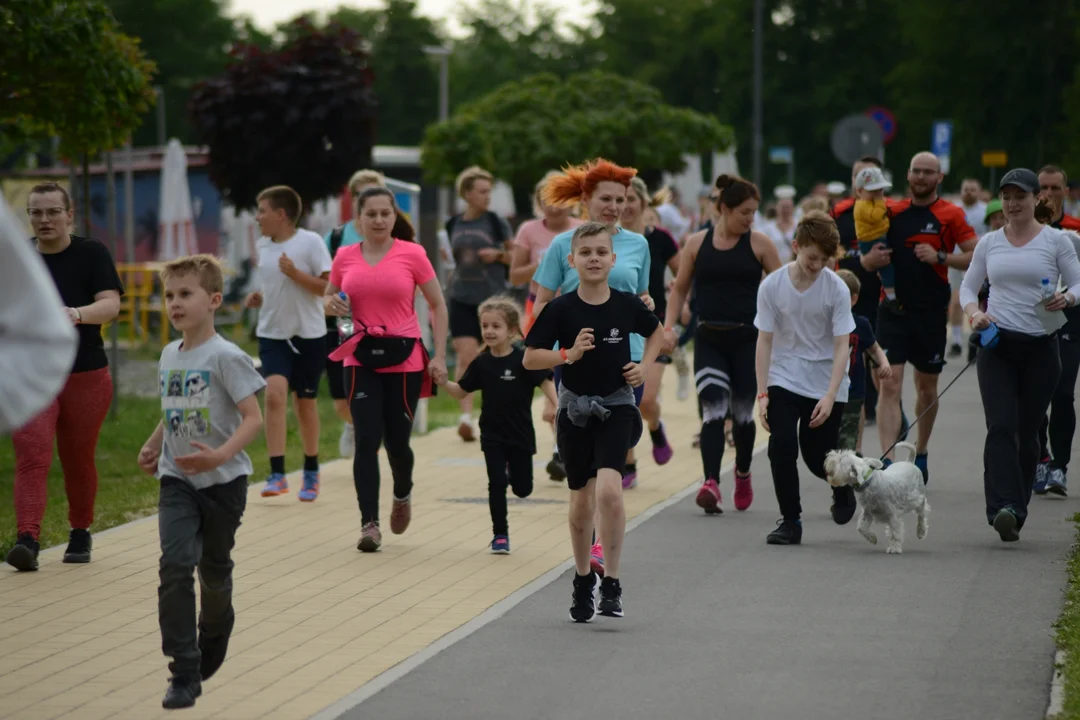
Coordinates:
[1016,275]
[289,310]
[782,240]
[976,218]
[803,327]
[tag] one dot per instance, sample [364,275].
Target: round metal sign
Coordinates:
[887,121]
[854,137]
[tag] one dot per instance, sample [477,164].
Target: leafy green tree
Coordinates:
[67,70]
[523,129]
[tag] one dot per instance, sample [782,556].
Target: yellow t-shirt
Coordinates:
[871,219]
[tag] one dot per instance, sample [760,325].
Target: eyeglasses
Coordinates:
[53,213]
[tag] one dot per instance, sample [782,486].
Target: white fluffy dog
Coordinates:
[884,494]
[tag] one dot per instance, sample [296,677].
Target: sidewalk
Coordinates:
[316,620]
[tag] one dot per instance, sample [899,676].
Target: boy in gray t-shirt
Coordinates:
[210,413]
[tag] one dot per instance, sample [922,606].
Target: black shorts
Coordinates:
[599,444]
[913,336]
[300,360]
[335,369]
[464,320]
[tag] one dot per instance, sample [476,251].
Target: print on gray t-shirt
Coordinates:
[474,280]
[199,392]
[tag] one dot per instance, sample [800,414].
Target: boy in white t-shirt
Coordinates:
[804,321]
[293,269]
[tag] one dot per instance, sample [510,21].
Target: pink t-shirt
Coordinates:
[382,295]
[535,236]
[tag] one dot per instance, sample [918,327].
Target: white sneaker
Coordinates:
[683,390]
[347,441]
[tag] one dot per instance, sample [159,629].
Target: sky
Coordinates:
[268,13]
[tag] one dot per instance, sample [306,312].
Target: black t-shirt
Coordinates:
[506,417]
[862,339]
[600,370]
[662,247]
[81,270]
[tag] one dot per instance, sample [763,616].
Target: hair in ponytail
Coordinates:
[734,191]
[578,182]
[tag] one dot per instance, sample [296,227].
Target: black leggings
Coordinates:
[1059,427]
[789,422]
[383,405]
[726,378]
[507,466]
[1017,378]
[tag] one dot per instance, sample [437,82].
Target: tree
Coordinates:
[302,115]
[521,130]
[66,70]
[188,40]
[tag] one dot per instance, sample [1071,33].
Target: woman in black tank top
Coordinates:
[725,265]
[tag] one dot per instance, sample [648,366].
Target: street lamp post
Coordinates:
[443,53]
[758,140]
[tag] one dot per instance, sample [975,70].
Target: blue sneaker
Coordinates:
[275,485]
[920,462]
[310,491]
[1042,476]
[1055,482]
[500,545]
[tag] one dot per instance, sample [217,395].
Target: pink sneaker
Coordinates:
[662,451]
[744,492]
[596,562]
[708,497]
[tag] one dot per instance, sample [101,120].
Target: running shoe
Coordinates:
[310,490]
[24,554]
[370,538]
[465,431]
[347,441]
[610,598]
[629,478]
[1055,482]
[844,505]
[708,497]
[400,516]
[583,602]
[555,468]
[662,451]
[596,560]
[786,533]
[1042,475]
[920,462]
[744,491]
[275,485]
[213,648]
[1006,524]
[955,350]
[79,545]
[182,693]
[500,545]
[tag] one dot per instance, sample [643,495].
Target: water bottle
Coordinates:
[345,322]
[1048,290]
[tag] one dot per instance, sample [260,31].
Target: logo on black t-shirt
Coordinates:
[614,336]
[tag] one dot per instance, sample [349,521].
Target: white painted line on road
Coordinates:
[1057,687]
[496,611]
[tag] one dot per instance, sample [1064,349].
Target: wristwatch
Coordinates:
[941,257]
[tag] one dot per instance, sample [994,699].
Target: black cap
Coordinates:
[1022,178]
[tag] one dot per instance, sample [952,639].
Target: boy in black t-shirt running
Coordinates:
[597,421]
[506,426]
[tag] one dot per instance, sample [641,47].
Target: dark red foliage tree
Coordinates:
[301,115]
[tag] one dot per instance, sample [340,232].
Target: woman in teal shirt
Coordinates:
[600,186]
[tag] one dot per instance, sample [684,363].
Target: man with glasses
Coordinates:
[924,230]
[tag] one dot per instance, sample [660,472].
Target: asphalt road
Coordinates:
[720,625]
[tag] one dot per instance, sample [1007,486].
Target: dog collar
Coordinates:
[869,476]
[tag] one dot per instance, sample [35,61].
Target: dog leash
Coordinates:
[940,394]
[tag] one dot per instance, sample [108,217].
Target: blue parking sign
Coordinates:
[941,142]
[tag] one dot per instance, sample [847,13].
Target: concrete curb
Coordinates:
[1057,687]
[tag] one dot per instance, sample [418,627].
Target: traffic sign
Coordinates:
[887,121]
[781,155]
[856,136]
[995,158]
[941,142]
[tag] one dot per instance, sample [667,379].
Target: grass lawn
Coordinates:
[1068,635]
[125,493]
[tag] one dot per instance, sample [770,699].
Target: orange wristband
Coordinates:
[562,354]
[762,396]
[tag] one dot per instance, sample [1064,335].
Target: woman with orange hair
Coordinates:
[600,187]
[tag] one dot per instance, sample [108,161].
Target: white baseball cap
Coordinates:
[835,188]
[784,192]
[871,178]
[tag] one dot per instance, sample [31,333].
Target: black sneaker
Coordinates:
[555,468]
[182,693]
[583,607]
[1005,522]
[23,556]
[214,648]
[786,533]
[844,505]
[955,350]
[610,598]
[78,549]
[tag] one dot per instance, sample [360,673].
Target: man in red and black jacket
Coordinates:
[1056,433]
[923,232]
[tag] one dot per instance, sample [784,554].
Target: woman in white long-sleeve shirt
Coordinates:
[1017,376]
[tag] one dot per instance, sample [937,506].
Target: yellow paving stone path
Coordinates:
[316,619]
